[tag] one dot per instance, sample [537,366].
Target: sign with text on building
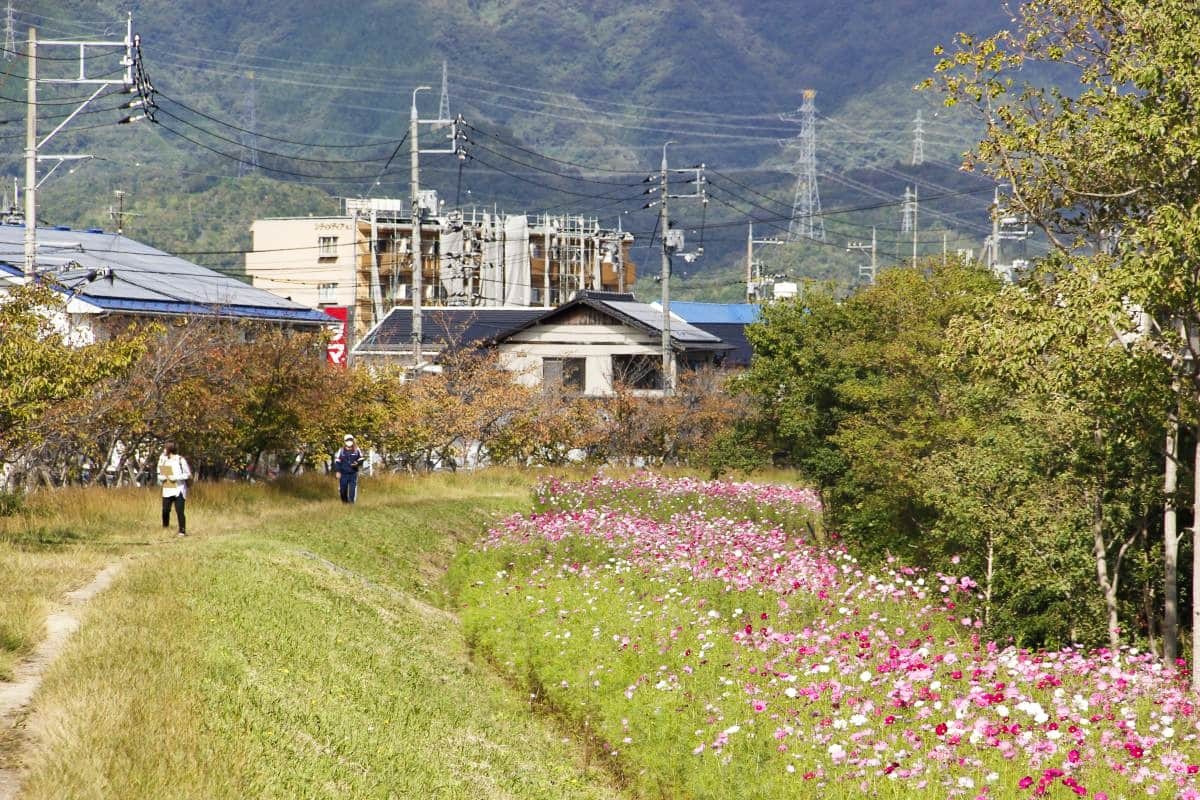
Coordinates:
[336,350]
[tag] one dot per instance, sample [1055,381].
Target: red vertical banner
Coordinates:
[336,351]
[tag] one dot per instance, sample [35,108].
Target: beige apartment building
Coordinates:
[363,260]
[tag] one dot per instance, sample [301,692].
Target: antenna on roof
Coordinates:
[119,213]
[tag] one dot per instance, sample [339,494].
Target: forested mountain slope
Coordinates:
[596,87]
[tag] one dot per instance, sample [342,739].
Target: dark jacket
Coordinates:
[348,461]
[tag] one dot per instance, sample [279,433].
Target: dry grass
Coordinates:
[292,648]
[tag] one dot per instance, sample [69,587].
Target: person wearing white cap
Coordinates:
[346,464]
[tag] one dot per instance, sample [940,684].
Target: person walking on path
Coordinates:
[346,464]
[174,474]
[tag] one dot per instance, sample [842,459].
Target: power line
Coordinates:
[556,173]
[486,165]
[262,135]
[238,160]
[261,151]
[25,55]
[516,146]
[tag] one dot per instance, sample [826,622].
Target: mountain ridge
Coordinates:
[601,85]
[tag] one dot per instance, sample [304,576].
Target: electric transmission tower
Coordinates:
[10,34]
[908,210]
[249,165]
[807,222]
[908,219]
[444,105]
[918,153]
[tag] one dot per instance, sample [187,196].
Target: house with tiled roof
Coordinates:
[589,345]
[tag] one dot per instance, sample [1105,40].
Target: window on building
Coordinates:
[637,371]
[564,374]
[326,292]
[327,247]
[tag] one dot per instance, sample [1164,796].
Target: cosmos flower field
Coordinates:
[707,645]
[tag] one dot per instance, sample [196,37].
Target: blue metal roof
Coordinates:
[199,309]
[145,280]
[716,313]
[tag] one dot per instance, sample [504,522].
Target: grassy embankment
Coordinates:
[290,648]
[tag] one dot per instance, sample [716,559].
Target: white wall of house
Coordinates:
[525,352]
[296,258]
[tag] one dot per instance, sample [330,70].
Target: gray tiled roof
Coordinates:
[447,328]
[626,309]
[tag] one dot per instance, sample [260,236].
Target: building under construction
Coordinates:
[363,260]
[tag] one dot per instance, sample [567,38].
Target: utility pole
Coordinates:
[754,282]
[807,222]
[415,188]
[994,242]
[918,152]
[863,271]
[672,242]
[668,357]
[132,79]
[417,268]
[376,288]
[31,148]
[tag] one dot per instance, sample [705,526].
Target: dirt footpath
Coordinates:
[16,695]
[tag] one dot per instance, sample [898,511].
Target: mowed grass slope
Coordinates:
[292,648]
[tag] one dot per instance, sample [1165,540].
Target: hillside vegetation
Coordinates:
[598,86]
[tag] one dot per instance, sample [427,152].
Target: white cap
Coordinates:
[348,438]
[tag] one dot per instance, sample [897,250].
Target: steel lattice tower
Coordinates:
[10,35]
[250,165]
[444,105]
[807,222]
[918,154]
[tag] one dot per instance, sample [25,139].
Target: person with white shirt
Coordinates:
[174,474]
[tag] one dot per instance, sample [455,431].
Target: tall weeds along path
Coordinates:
[16,695]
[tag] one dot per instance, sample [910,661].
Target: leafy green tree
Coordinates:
[1088,397]
[1107,164]
[40,365]
[853,392]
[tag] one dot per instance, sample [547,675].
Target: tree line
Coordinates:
[245,400]
[1044,433]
